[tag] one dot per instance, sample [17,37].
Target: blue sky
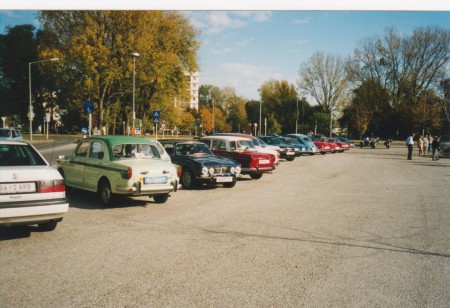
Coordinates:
[243,49]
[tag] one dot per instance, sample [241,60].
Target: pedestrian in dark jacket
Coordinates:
[435,146]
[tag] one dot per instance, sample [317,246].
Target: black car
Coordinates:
[199,165]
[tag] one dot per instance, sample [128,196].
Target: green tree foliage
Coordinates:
[18,47]
[407,67]
[96,46]
[370,110]
[279,99]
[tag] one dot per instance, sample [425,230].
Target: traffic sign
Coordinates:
[88,107]
[156,116]
[30,113]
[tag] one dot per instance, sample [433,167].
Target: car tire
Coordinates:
[230,185]
[105,193]
[187,179]
[290,158]
[256,176]
[162,198]
[47,226]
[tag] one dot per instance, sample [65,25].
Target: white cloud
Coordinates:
[302,21]
[245,78]
[213,22]
[222,51]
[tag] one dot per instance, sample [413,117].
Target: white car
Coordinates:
[121,165]
[10,134]
[31,192]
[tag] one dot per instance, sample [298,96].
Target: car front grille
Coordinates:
[221,170]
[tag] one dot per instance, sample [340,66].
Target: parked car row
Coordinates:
[32,192]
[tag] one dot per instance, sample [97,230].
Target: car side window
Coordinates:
[97,150]
[82,149]
[219,145]
[233,146]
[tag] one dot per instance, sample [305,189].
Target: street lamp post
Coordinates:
[296,118]
[260,103]
[213,115]
[134,55]
[331,121]
[30,111]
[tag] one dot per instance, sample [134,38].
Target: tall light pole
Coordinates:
[30,111]
[213,115]
[134,55]
[260,103]
[331,120]
[296,118]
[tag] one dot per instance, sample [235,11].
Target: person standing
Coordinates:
[435,148]
[420,145]
[410,144]
[430,143]
[425,144]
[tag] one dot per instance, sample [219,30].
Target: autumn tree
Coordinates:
[95,48]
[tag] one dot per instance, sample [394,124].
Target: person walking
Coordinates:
[410,144]
[425,144]
[435,148]
[420,145]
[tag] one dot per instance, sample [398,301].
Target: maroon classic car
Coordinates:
[242,150]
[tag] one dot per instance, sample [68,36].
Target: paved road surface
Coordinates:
[366,228]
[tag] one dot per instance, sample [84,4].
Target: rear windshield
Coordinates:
[19,155]
[136,151]
[5,133]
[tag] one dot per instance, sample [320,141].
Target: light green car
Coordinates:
[120,165]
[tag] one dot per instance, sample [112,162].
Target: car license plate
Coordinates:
[17,188]
[155,180]
[290,153]
[224,179]
[264,161]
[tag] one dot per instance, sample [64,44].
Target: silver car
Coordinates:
[10,134]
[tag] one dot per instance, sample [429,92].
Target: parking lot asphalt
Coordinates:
[365,228]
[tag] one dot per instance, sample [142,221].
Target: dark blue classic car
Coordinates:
[199,165]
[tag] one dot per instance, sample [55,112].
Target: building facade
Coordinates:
[192,83]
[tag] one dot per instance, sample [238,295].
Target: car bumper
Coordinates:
[27,212]
[256,170]
[217,179]
[145,190]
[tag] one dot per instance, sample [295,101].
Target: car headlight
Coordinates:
[205,171]
[232,170]
[238,169]
[211,170]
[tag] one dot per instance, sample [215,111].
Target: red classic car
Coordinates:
[242,150]
[344,146]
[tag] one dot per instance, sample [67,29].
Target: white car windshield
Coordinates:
[246,145]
